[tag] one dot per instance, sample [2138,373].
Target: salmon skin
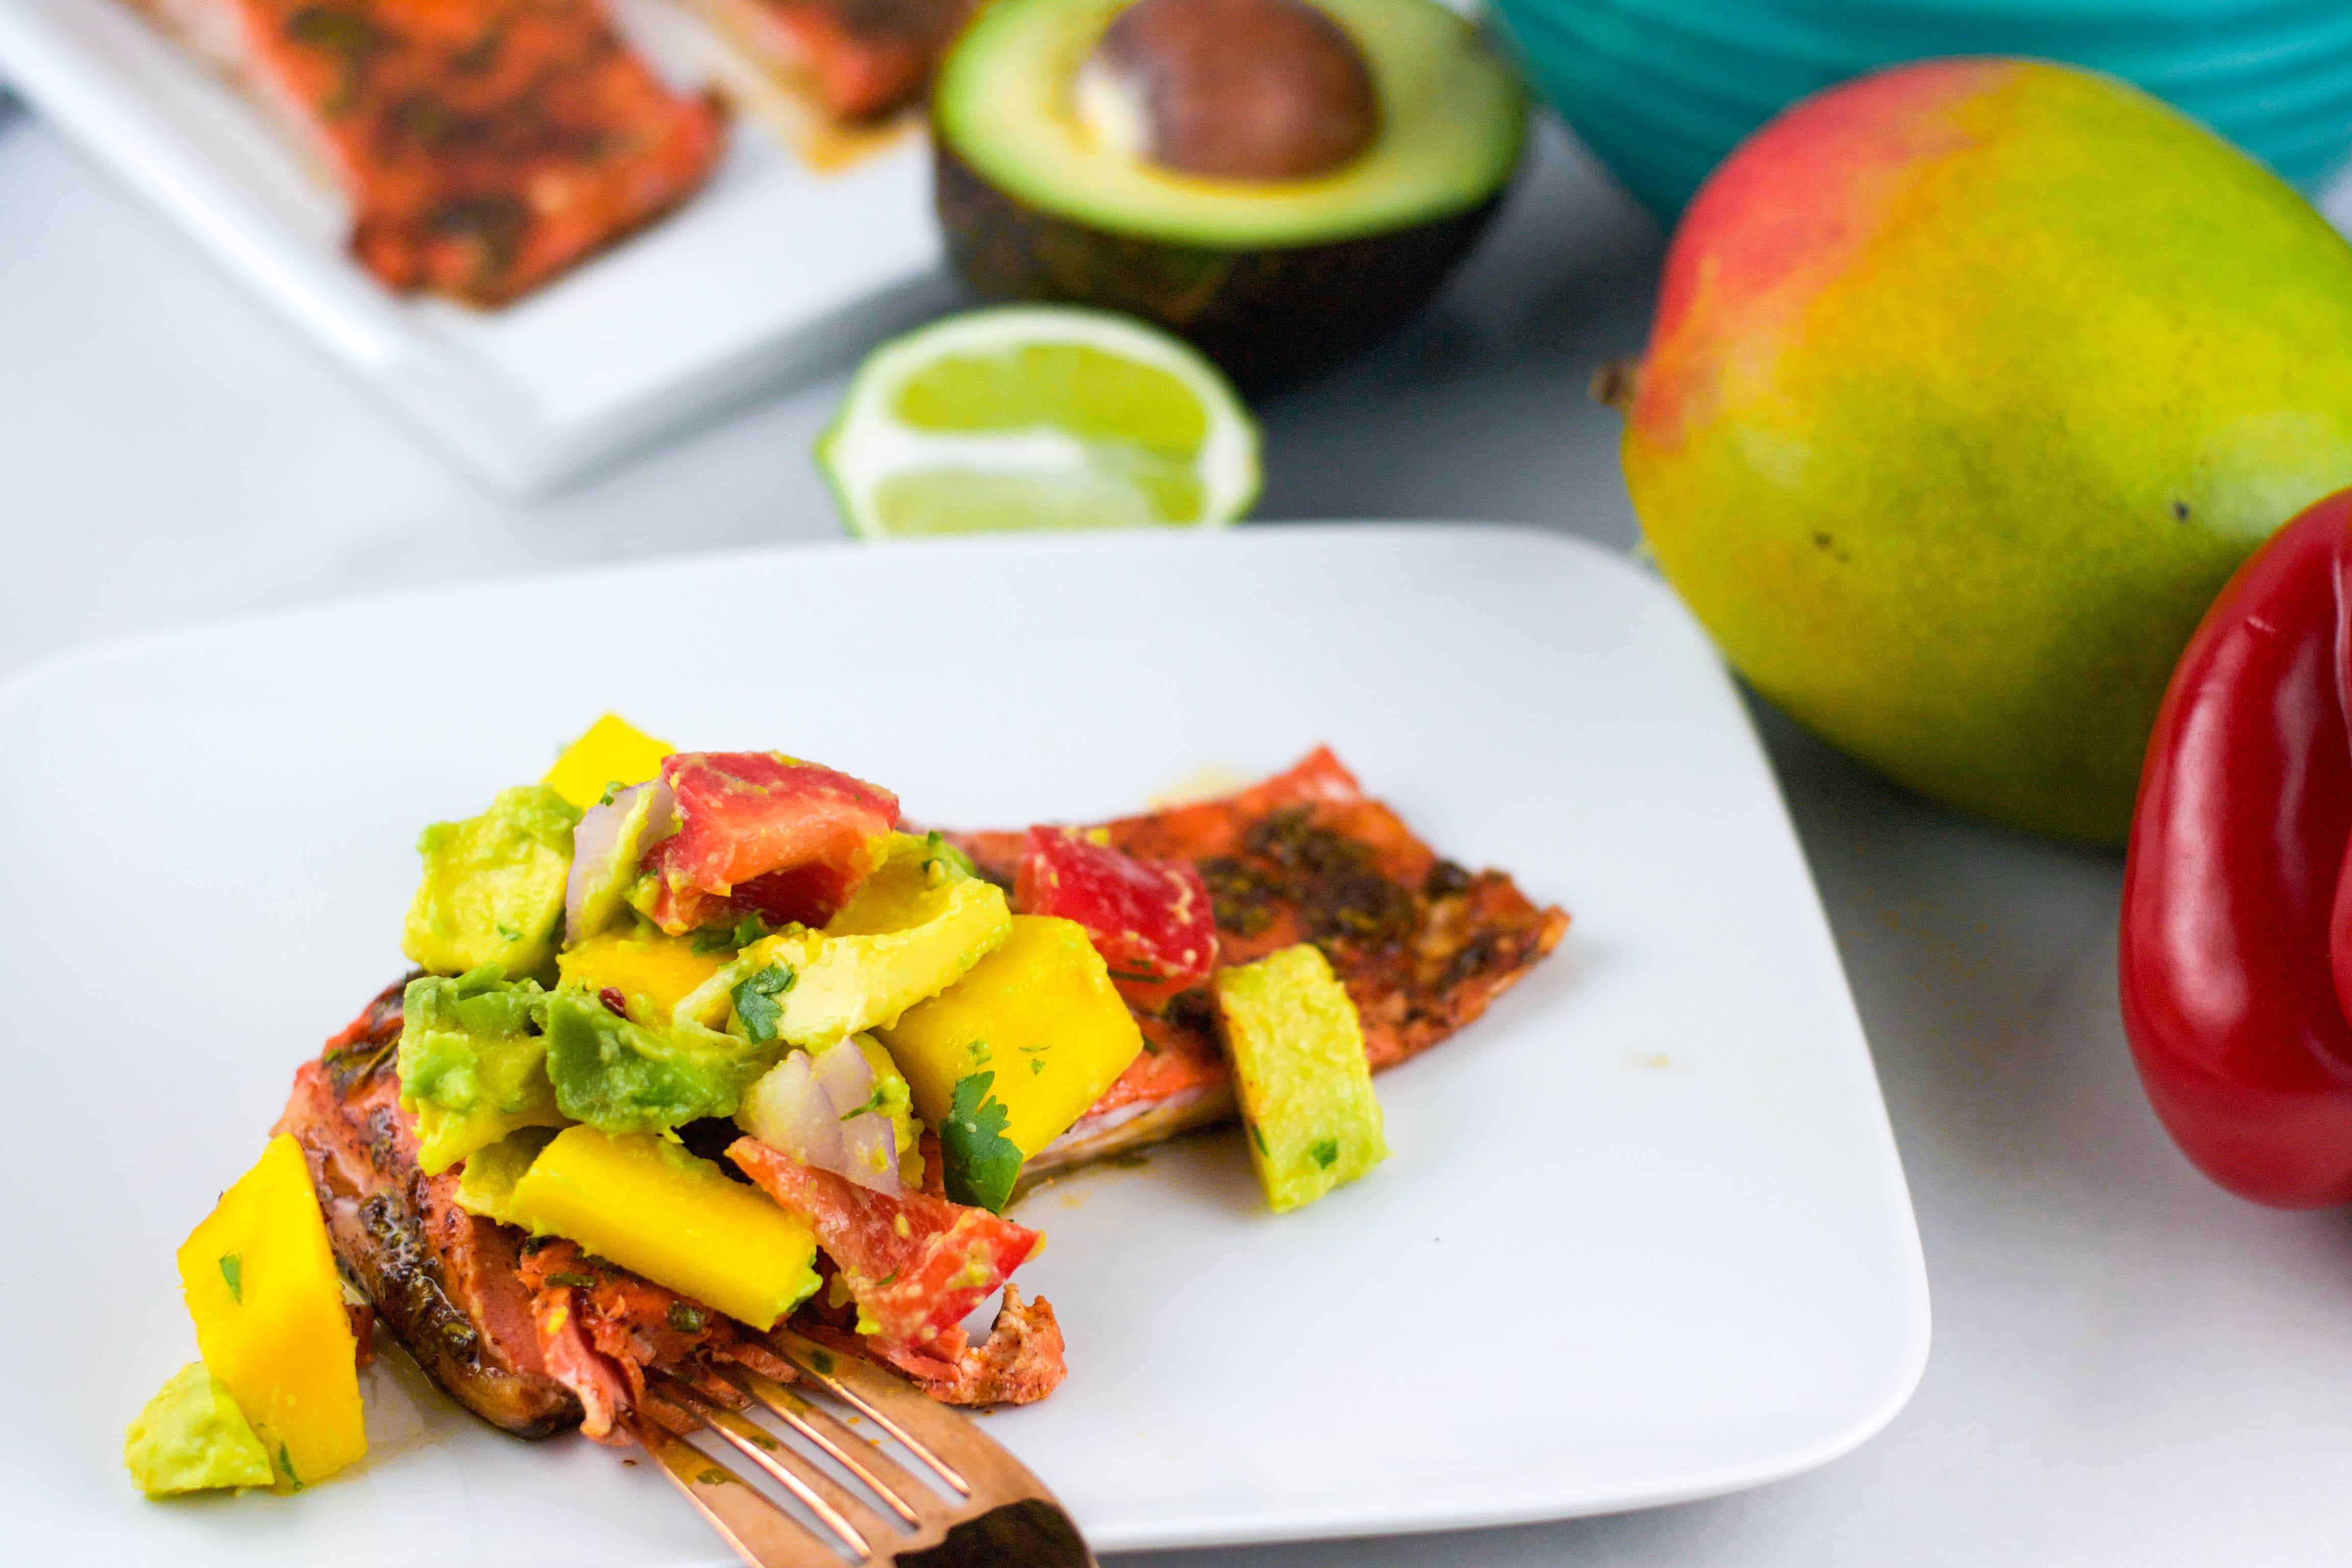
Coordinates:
[1422,944]
[486,146]
[448,1284]
[858,59]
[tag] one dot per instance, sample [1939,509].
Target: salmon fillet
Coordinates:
[535,1335]
[445,1282]
[486,146]
[857,59]
[1423,945]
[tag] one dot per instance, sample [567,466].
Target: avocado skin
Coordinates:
[1267,316]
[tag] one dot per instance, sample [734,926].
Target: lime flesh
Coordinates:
[1038,419]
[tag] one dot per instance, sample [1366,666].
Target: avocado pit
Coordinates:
[1230,90]
[1280,181]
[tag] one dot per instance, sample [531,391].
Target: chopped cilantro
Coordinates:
[686,1319]
[821,1362]
[232,1268]
[510,932]
[756,1003]
[874,1101]
[1258,1138]
[1323,1151]
[742,934]
[713,1476]
[1144,974]
[582,1280]
[980,1163]
[885,1279]
[940,857]
[286,1463]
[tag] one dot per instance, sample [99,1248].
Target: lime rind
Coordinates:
[893,480]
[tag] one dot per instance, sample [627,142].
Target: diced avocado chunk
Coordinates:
[611,751]
[679,1220]
[473,1063]
[625,1077]
[878,957]
[487,1184]
[192,1438]
[493,887]
[1297,1049]
[907,887]
[1005,1060]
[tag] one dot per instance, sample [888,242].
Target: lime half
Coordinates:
[1037,416]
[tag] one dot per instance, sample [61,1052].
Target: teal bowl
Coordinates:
[1662,90]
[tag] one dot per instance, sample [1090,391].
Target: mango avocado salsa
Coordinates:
[702,1042]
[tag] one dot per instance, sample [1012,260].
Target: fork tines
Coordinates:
[987,1507]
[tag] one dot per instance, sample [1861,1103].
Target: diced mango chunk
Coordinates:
[653,973]
[192,1438]
[649,1206]
[611,751]
[1017,1049]
[259,1279]
[1297,1049]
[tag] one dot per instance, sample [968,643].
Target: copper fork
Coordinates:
[986,1510]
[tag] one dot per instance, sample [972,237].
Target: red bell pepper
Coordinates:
[2236,964]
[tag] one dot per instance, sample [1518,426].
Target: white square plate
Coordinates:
[769,270]
[1644,1235]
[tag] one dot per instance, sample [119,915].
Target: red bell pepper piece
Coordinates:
[756,817]
[2236,964]
[1151,920]
[915,1264]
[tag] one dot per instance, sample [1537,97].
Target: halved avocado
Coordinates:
[1271,278]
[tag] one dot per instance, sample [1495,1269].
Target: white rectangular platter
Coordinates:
[769,270]
[1644,1235]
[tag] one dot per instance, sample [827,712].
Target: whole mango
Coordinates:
[1970,382]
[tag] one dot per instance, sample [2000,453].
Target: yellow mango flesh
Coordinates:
[1041,1014]
[649,1206]
[654,972]
[611,751]
[260,1282]
[1298,1067]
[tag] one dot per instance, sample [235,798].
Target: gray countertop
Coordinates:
[2129,1366]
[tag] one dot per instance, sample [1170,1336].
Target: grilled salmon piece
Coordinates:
[1422,944]
[487,145]
[857,59]
[445,1282]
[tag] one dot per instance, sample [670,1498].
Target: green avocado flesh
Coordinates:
[620,1077]
[192,1438]
[473,1063]
[1452,121]
[493,887]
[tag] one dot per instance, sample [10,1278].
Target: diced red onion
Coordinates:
[799,1104]
[871,1146]
[788,1111]
[846,1077]
[603,852]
